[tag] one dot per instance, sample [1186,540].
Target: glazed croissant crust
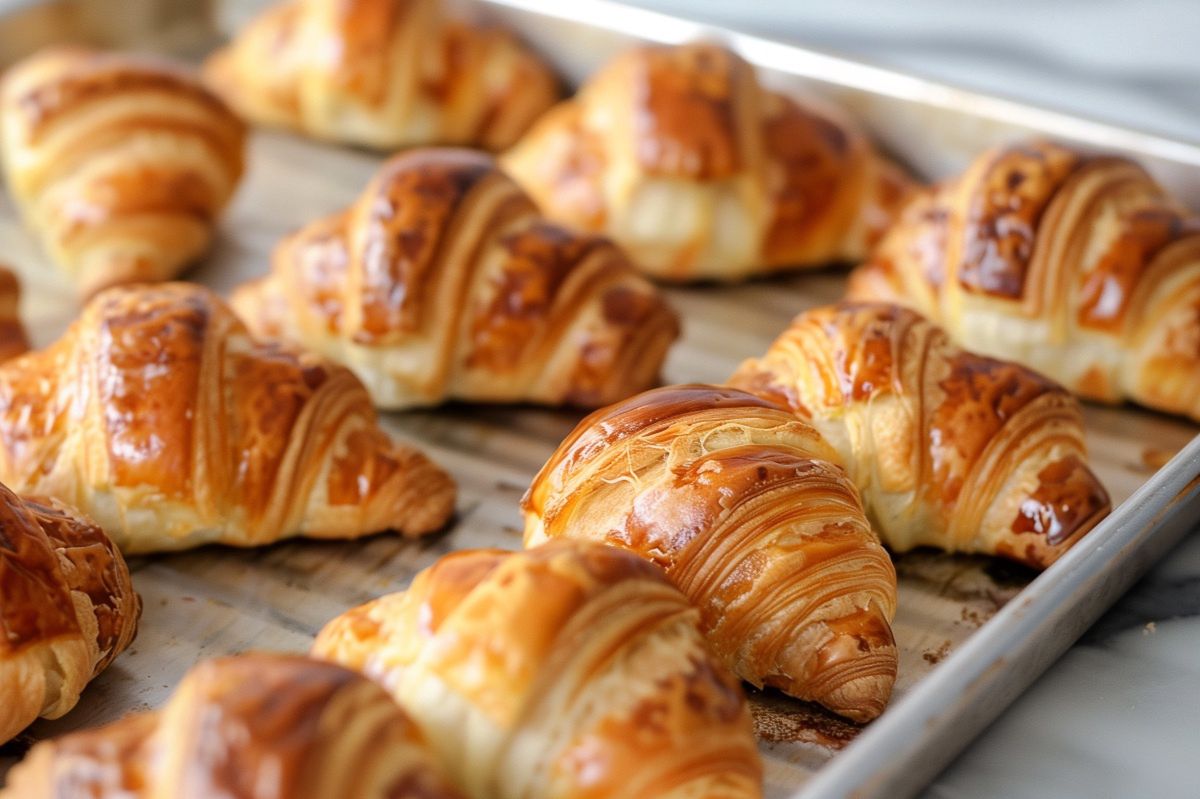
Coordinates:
[160,416]
[119,163]
[443,282]
[687,161]
[385,74]
[13,340]
[256,726]
[948,448]
[568,671]
[1079,266]
[67,608]
[747,510]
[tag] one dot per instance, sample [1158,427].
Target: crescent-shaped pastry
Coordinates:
[120,163]
[13,340]
[1079,266]
[949,449]
[67,608]
[158,415]
[747,510]
[570,671]
[385,74]
[444,282]
[256,726]
[701,173]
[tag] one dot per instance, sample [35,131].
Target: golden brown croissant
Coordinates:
[568,671]
[383,73]
[13,340]
[746,509]
[67,608]
[681,156]
[948,448]
[256,726]
[120,163]
[1080,266]
[443,281]
[158,415]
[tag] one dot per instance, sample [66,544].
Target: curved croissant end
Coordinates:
[687,161]
[13,340]
[1079,266]
[385,74]
[572,670]
[948,448]
[746,509]
[159,415]
[442,281]
[67,608]
[120,163]
[255,726]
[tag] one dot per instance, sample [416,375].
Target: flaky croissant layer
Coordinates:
[570,671]
[747,510]
[158,414]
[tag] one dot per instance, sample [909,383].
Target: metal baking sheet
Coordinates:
[973,632]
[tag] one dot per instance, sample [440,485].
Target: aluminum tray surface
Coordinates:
[973,632]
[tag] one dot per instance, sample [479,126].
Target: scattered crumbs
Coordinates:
[973,617]
[781,719]
[1154,458]
[1150,629]
[936,656]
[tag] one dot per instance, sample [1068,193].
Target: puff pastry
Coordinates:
[67,608]
[572,670]
[13,340]
[1077,265]
[443,282]
[256,726]
[119,163]
[159,415]
[747,510]
[385,74]
[949,449]
[687,161]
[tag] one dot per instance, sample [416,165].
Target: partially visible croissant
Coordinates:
[67,608]
[749,513]
[255,726]
[1080,266]
[13,340]
[444,282]
[383,73]
[120,163]
[160,416]
[687,161]
[948,448]
[571,671]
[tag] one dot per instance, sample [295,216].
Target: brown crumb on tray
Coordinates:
[1150,629]
[936,656]
[781,719]
[1154,459]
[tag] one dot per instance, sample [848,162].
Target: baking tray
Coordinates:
[973,632]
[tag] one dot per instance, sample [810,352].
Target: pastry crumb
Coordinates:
[1150,629]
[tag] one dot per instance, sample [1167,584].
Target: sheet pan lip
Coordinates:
[808,63]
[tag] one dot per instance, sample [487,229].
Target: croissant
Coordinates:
[120,163]
[385,74]
[746,509]
[687,161]
[159,416]
[67,608]
[1079,266]
[256,726]
[13,340]
[442,281]
[572,670]
[949,449]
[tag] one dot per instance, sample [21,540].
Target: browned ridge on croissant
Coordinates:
[385,74]
[67,608]
[443,281]
[255,726]
[158,414]
[949,448]
[13,340]
[685,159]
[1080,266]
[576,670]
[747,510]
[120,163]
